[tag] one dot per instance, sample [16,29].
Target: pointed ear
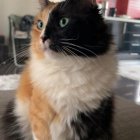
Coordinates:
[51,1]
[43,3]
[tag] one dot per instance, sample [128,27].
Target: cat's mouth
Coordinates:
[48,46]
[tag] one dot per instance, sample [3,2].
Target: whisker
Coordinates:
[61,51]
[72,53]
[10,68]
[98,58]
[11,58]
[69,39]
[26,44]
[24,47]
[20,57]
[68,50]
[78,51]
[71,44]
[77,46]
[64,53]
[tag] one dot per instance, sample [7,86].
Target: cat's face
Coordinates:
[72,27]
[40,22]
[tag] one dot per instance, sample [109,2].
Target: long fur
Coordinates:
[64,96]
[71,88]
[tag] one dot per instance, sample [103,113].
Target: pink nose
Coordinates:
[47,42]
[44,38]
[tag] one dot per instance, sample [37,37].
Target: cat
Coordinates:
[65,89]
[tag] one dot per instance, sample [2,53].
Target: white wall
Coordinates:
[19,7]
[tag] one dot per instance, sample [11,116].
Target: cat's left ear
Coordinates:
[43,3]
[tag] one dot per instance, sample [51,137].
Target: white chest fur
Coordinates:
[74,84]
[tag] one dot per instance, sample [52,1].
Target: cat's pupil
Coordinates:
[39,24]
[64,22]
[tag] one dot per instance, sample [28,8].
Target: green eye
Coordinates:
[40,25]
[63,22]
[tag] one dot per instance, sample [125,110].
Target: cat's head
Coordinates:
[70,27]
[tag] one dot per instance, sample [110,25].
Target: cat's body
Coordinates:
[65,96]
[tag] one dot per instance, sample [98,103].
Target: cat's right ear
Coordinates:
[43,3]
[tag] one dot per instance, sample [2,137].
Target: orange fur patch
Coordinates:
[36,33]
[24,91]
[41,114]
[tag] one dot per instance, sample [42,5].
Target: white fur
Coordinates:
[73,85]
[55,1]
[34,137]
[21,111]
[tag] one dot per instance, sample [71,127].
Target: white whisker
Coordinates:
[71,44]
[72,53]
[78,51]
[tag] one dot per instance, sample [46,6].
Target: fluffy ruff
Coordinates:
[81,98]
[77,90]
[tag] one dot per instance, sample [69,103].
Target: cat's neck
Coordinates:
[76,84]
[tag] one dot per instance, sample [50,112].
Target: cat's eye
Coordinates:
[40,24]
[63,22]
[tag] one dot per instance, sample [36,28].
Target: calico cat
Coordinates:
[65,89]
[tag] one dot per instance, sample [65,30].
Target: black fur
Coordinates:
[11,129]
[97,124]
[86,29]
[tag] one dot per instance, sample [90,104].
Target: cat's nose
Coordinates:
[44,38]
[46,34]
[47,43]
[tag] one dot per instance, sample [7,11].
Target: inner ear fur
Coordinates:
[44,3]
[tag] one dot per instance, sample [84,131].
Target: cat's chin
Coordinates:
[52,56]
[49,53]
